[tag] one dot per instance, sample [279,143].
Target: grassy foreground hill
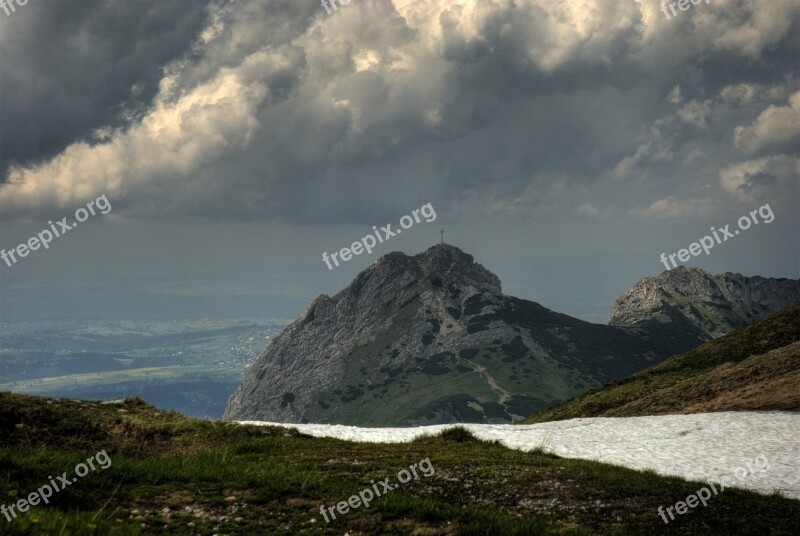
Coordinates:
[754,368]
[169,474]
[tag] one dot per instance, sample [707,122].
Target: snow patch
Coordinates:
[703,447]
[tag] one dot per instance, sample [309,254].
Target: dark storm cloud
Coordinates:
[282,111]
[69,67]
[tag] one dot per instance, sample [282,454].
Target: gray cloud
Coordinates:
[777,129]
[72,67]
[282,111]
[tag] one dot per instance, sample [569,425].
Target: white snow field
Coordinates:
[705,447]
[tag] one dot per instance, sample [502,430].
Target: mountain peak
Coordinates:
[439,254]
[706,304]
[439,265]
[446,251]
[428,339]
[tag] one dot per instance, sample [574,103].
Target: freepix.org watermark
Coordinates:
[328,4]
[369,241]
[683,5]
[722,235]
[8,5]
[44,493]
[702,495]
[46,236]
[366,496]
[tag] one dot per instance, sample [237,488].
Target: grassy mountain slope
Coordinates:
[754,368]
[499,378]
[175,475]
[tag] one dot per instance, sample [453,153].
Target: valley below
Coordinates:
[191,366]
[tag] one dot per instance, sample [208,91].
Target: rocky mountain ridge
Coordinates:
[706,305]
[430,339]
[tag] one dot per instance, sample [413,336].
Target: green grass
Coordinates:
[175,475]
[669,386]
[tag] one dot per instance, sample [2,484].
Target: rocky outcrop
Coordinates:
[432,339]
[705,305]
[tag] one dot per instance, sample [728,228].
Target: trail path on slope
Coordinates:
[503,396]
[705,447]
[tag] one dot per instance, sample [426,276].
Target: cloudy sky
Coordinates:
[565,144]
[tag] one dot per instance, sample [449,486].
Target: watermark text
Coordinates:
[44,493]
[366,495]
[385,233]
[721,235]
[46,236]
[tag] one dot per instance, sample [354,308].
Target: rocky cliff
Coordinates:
[432,339]
[702,305]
